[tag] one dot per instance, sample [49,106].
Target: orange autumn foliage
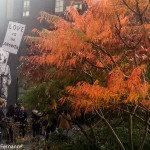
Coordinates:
[119,91]
[111,36]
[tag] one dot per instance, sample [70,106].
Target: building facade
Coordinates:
[26,12]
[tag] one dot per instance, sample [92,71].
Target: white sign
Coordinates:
[13,37]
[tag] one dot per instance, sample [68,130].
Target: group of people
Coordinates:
[50,122]
[14,121]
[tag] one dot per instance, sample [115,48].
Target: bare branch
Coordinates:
[107,53]
[125,3]
[145,8]
[119,22]
[145,134]
[130,128]
[95,65]
[111,129]
[134,56]
[81,128]
[139,12]
[128,46]
[100,59]
[138,117]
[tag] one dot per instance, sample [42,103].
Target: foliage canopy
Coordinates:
[110,37]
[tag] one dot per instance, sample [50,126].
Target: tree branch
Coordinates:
[100,59]
[107,53]
[125,3]
[145,134]
[111,129]
[130,128]
[95,65]
[128,46]
[91,129]
[145,8]
[138,117]
[134,56]
[81,128]
[139,12]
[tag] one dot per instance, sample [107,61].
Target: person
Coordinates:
[23,121]
[36,116]
[2,117]
[10,115]
[17,108]
[16,132]
[64,121]
[51,122]
[10,112]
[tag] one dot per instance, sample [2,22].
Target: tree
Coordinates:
[109,45]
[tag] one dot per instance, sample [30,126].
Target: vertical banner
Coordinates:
[10,45]
[13,37]
[5,76]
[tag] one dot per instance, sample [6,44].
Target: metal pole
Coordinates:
[0,85]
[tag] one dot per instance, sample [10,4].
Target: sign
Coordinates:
[13,37]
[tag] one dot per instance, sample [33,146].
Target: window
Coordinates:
[26,8]
[59,6]
[76,6]
[10,9]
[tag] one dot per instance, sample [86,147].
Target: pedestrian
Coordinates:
[23,121]
[17,108]
[36,122]
[16,132]
[64,121]
[10,123]
[51,123]
[2,117]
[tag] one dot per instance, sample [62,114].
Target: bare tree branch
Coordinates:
[128,46]
[105,52]
[111,129]
[104,68]
[125,3]
[138,117]
[145,8]
[145,134]
[130,128]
